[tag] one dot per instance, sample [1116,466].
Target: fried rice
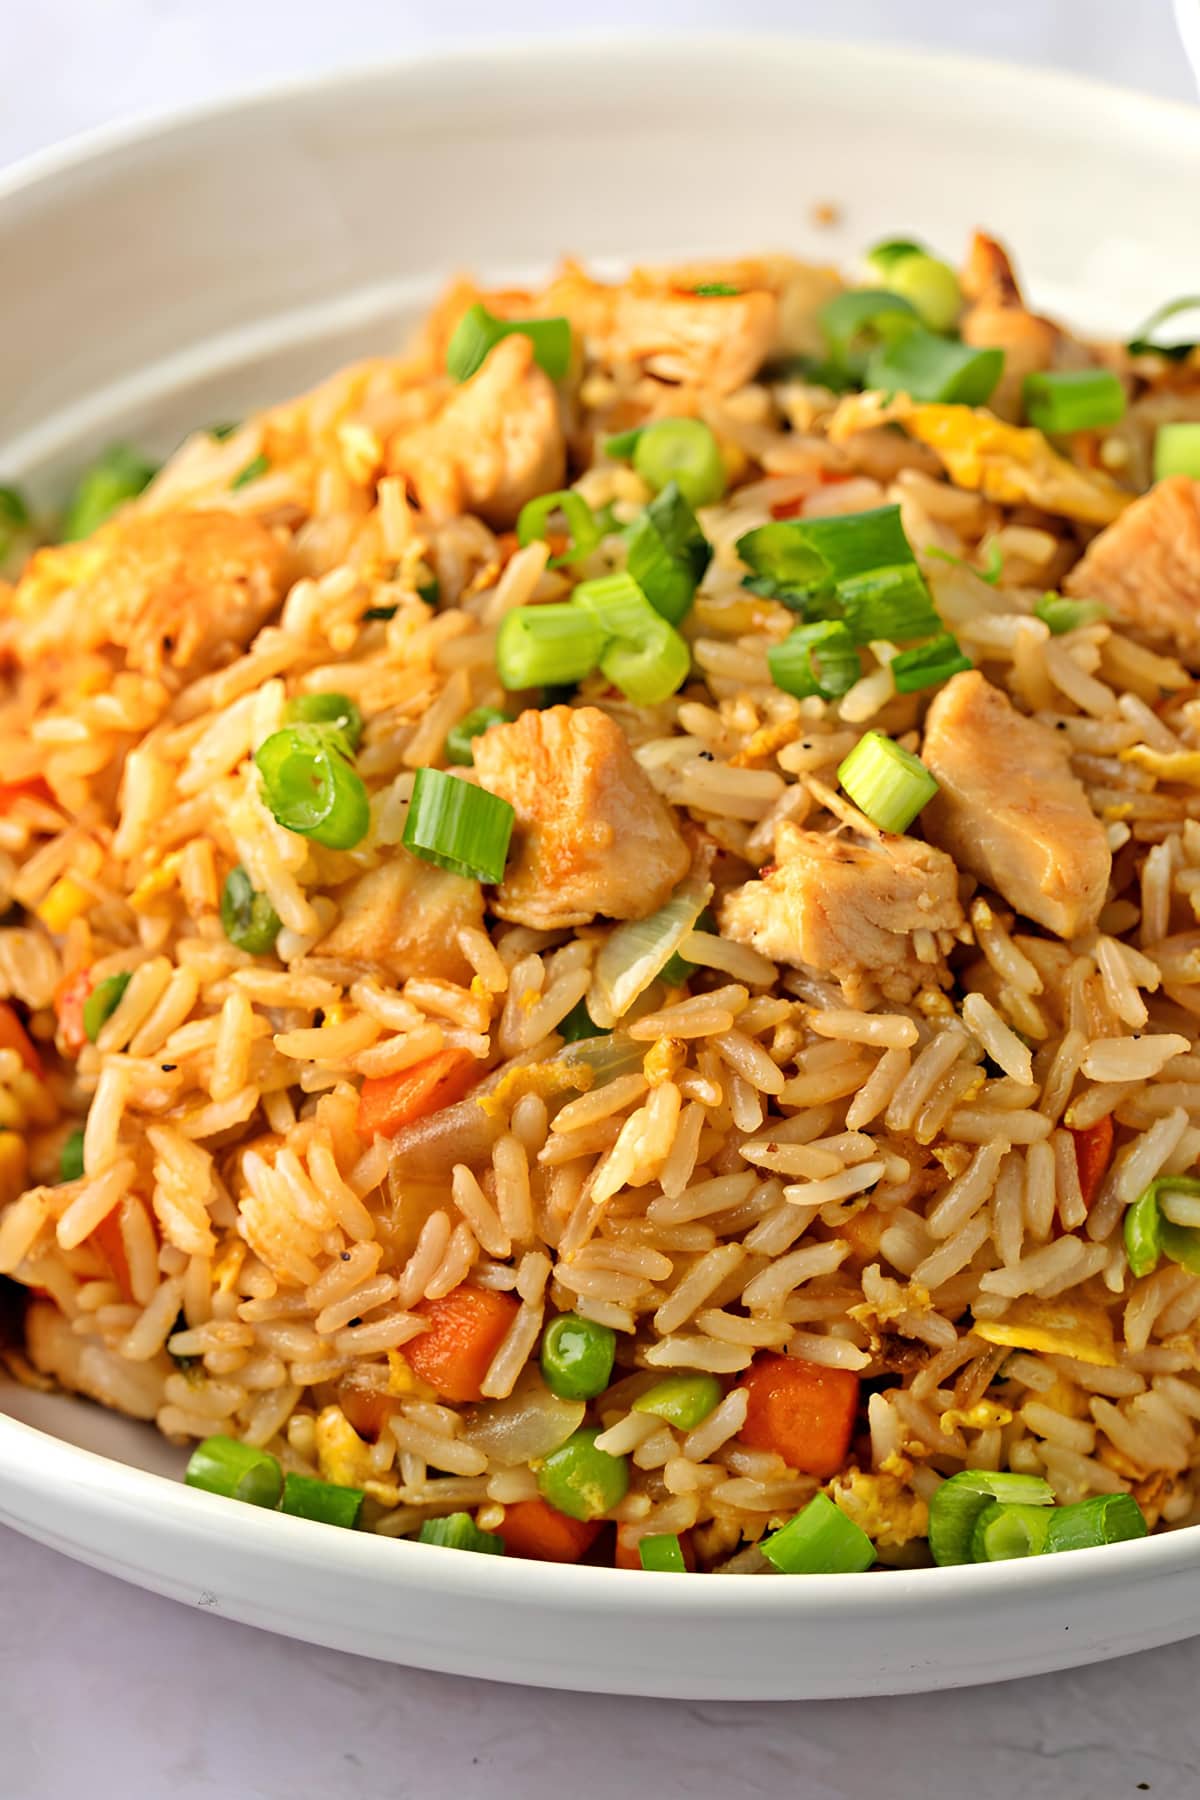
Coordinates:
[831,1129]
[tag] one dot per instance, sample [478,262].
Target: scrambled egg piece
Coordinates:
[1077,1329]
[342,1457]
[1010,464]
[546,1079]
[985,1415]
[1167,765]
[882,1504]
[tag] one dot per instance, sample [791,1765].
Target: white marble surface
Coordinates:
[109,1692]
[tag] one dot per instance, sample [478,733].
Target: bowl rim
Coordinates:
[38,1464]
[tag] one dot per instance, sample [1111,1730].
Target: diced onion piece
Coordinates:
[637,952]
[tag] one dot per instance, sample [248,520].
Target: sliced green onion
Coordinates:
[1145,341]
[379,613]
[991,572]
[311,787]
[254,470]
[929,664]
[668,553]
[892,604]
[220,1465]
[429,591]
[650,669]
[682,1400]
[577,1357]
[886,782]
[1006,1530]
[622,444]
[546,646]
[581,1480]
[1177,451]
[1180,1243]
[336,711]
[578,1025]
[247,917]
[634,954]
[226,429]
[928,284]
[102,1003]
[859,321]
[458,1531]
[1143,1233]
[603,1057]
[460,739]
[458,826]
[686,452]
[932,368]
[14,510]
[1063,400]
[479,331]
[820,1540]
[814,556]
[815,659]
[957,1504]
[662,1553]
[891,251]
[70,1156]
[1105,1519]
[616,603]
[119,475]
[1067,615]
[712,290]
[533,522]
[307,1498]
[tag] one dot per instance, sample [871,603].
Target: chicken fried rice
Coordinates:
[601,928]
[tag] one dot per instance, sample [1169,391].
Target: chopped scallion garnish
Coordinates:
[668,553]
[892,604]
[460,739]
[815,659]
[662,1553]
[812,557]
[956,1506]
[859,321]
[643,655]
[547,646]
[1177,451]
[936,369]
[578,1025]
[102,1003]
[929,285]
[891,251]
[715,290]
[70,1155]
[479,331]
[1063,615]
[820,1540]
[1104,1519]
[307,1498]
[1148,340]
[1005,1530]
[119,475]
[622,444]
[1063,400]
[886,782]
[534,518]
[221,1465]
[336,712]
[928,665]
[254,470]
[248,919]
[458,826]
[311,787]
[14,509]
[458,1531]
[684,451]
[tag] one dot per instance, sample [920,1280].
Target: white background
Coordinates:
[106,1692]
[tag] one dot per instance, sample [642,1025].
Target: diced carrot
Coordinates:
[629,1537]
[70,997]
[786,509]
[367,1409]
[534,1528]
[802,1410]
[111,1245]
[386,1102]
[1093,1153]
[33,787]
[863,1230]
[464,1331]
[13,1036]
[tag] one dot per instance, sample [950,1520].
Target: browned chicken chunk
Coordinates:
[998,319]
[1010,810]
[592,836]
[181,590]
[1146,567]
[851,909]
[495,444]
[403,919]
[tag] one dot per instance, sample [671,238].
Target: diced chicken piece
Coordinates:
[591,836]
[1010,810]
[851,909]
[184,590]
[997,319]
[496,443]
[1146,567]
[403,919]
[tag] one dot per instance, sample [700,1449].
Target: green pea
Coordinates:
[460,739]
[681,1400]
[577,1357]
[337,712]
[580,1480]
[102,1003]
[247,916]
[684,451]
[311,787]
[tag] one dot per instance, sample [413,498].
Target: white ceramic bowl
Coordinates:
[188,270]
